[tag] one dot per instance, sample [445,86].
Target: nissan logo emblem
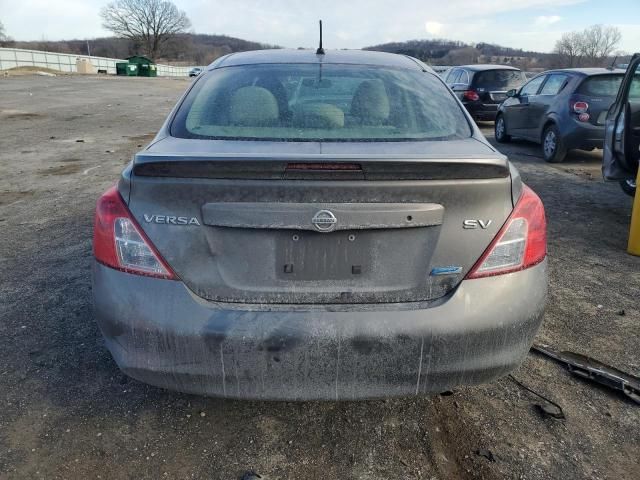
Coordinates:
[324,221]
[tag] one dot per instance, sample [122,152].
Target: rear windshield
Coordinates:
[499,79]
[601,85]
[303,102]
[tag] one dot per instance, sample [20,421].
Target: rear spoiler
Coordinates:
[320,167]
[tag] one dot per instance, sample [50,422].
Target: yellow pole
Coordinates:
[634,232]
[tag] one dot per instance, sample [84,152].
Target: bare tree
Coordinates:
[570,48]
[149,23]
[599,42]
[590,47]
[5,40]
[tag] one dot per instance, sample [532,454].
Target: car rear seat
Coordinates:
[317,115]
[370,104]
[253,107]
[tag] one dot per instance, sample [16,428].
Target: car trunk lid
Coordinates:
[492,85]
[382,225]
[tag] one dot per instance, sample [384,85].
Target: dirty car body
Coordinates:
[622,131]
[482,88]
[319,227]
[561,109]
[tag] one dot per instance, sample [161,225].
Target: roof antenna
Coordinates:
[320,50]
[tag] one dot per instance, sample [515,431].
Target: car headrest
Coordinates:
[278,90]
[318,115]
[253,107]
[370,102]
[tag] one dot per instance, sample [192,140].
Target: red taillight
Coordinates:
[471,96]
[580,107]
[120,243]
[521,242]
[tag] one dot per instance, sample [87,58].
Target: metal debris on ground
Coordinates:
[551,408]
[591,369]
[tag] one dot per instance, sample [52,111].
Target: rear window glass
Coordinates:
[499,79]
[304,102]
[601,85]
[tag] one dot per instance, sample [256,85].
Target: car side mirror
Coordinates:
[512,93]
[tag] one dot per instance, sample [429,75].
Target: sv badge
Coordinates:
[471,224]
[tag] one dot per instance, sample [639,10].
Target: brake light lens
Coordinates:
[471,95]
[580,107]
[120,243]
[521,242]
[584,117]
[325,166]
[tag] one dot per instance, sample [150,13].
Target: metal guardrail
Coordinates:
[65,62]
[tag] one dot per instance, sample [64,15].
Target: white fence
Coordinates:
[64,62]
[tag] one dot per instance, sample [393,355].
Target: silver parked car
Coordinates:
[319,226]
[622,131]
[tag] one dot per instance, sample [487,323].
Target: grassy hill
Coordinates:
[187,49]
[202,49]
[447,52]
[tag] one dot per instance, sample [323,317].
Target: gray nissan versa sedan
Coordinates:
[327,226]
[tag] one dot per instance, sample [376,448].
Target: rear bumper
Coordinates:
[482,111]
[162,334]
[583,136]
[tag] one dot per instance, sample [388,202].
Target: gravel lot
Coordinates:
[67,412]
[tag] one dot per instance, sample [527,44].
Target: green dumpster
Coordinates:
[148,70]
[146,67]
[125,68]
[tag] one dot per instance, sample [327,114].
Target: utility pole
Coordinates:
[88,49]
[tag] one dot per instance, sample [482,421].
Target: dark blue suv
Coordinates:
[560,109]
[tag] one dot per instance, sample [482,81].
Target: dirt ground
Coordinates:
[67,412]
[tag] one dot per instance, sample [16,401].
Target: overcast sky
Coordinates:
[527,24]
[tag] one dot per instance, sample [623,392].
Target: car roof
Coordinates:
[354,57]
[586,71]
[483,67]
